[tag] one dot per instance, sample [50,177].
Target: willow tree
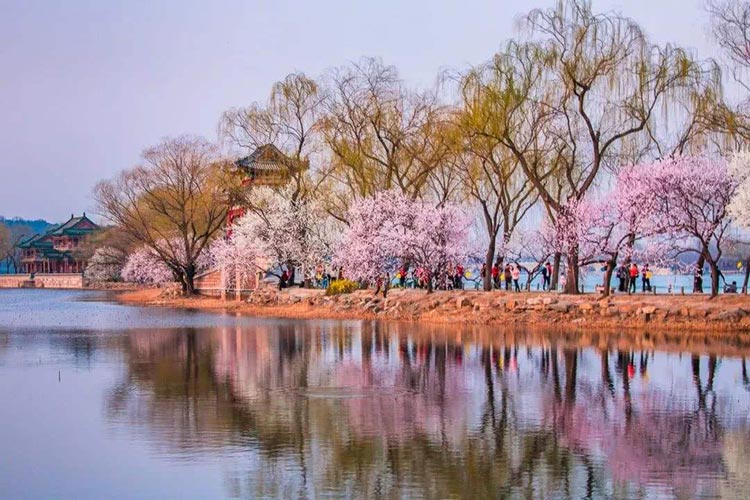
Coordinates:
[492,177]
[586,86]
[375,128]
[289,121]
[174,202]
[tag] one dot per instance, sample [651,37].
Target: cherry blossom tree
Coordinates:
[105,265]
[390,229]
[739,169]
[145,266]
[281,231]
[237,256]
[687,201]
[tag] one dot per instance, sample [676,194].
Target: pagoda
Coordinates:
[56,251]
[266,166]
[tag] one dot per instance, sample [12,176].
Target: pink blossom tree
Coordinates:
[145,266]
[686,200]
[390,229]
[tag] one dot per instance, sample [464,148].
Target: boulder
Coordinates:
[561,307]
[462,302]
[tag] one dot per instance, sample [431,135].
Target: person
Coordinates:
[459,277]
[284,279]
[545,276]
[633,277]
[496,276]
[516,274]
[507,274]
[731,288]
[623,276]
[402,277]
[646,278]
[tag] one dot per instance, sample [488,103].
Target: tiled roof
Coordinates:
[268,157]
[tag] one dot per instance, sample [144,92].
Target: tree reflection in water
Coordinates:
[387,410]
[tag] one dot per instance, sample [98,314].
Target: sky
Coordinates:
[86,85]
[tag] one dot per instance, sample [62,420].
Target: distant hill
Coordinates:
[35,226]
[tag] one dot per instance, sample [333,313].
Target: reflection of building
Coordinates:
[56,250]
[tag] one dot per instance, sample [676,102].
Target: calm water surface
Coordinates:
[99,400]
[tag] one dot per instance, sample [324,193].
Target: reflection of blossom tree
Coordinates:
[366,410]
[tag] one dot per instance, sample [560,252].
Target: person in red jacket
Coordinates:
[633,277]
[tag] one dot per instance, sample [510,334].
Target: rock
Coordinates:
[549,300]
[732,316]
[585,307]
[562,307]
[510,305]
[462,302]
[646,310]
[534,301]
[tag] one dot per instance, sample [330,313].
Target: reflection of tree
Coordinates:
[370,410]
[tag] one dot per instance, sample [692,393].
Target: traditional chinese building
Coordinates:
[57,250]
[266,166]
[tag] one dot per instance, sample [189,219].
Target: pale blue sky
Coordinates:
[86,85]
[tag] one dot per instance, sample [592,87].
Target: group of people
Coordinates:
[509,276]
[628,278]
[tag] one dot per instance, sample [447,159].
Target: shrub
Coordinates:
[342,286]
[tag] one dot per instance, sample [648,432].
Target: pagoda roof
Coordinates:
[69,227]
[269,158]
[38,241]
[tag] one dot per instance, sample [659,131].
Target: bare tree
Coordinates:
[379,132]
[289,121]
[174,203]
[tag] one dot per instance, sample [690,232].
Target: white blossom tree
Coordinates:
[105,265]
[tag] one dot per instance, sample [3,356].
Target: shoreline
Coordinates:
[728,315]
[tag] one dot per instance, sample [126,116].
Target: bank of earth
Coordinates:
[695,313]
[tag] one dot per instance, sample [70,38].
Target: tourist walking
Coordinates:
[646,279]
[459,280]
[516,275]
[546,271]
[508,276]
[623,275]
[633,277]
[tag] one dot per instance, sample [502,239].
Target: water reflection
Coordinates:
[309,409]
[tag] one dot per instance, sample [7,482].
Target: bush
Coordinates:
[342,286]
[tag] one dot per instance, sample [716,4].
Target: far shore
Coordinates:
[726,316]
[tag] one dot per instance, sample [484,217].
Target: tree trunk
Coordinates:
[429,283]
[611,265]
[555,271]
[571,278]
[714,267]
[747,276]
[188,281]
[488,263]
[698,283]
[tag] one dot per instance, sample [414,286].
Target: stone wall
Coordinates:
[41,281]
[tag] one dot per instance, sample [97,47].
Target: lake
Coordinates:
[100,400]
